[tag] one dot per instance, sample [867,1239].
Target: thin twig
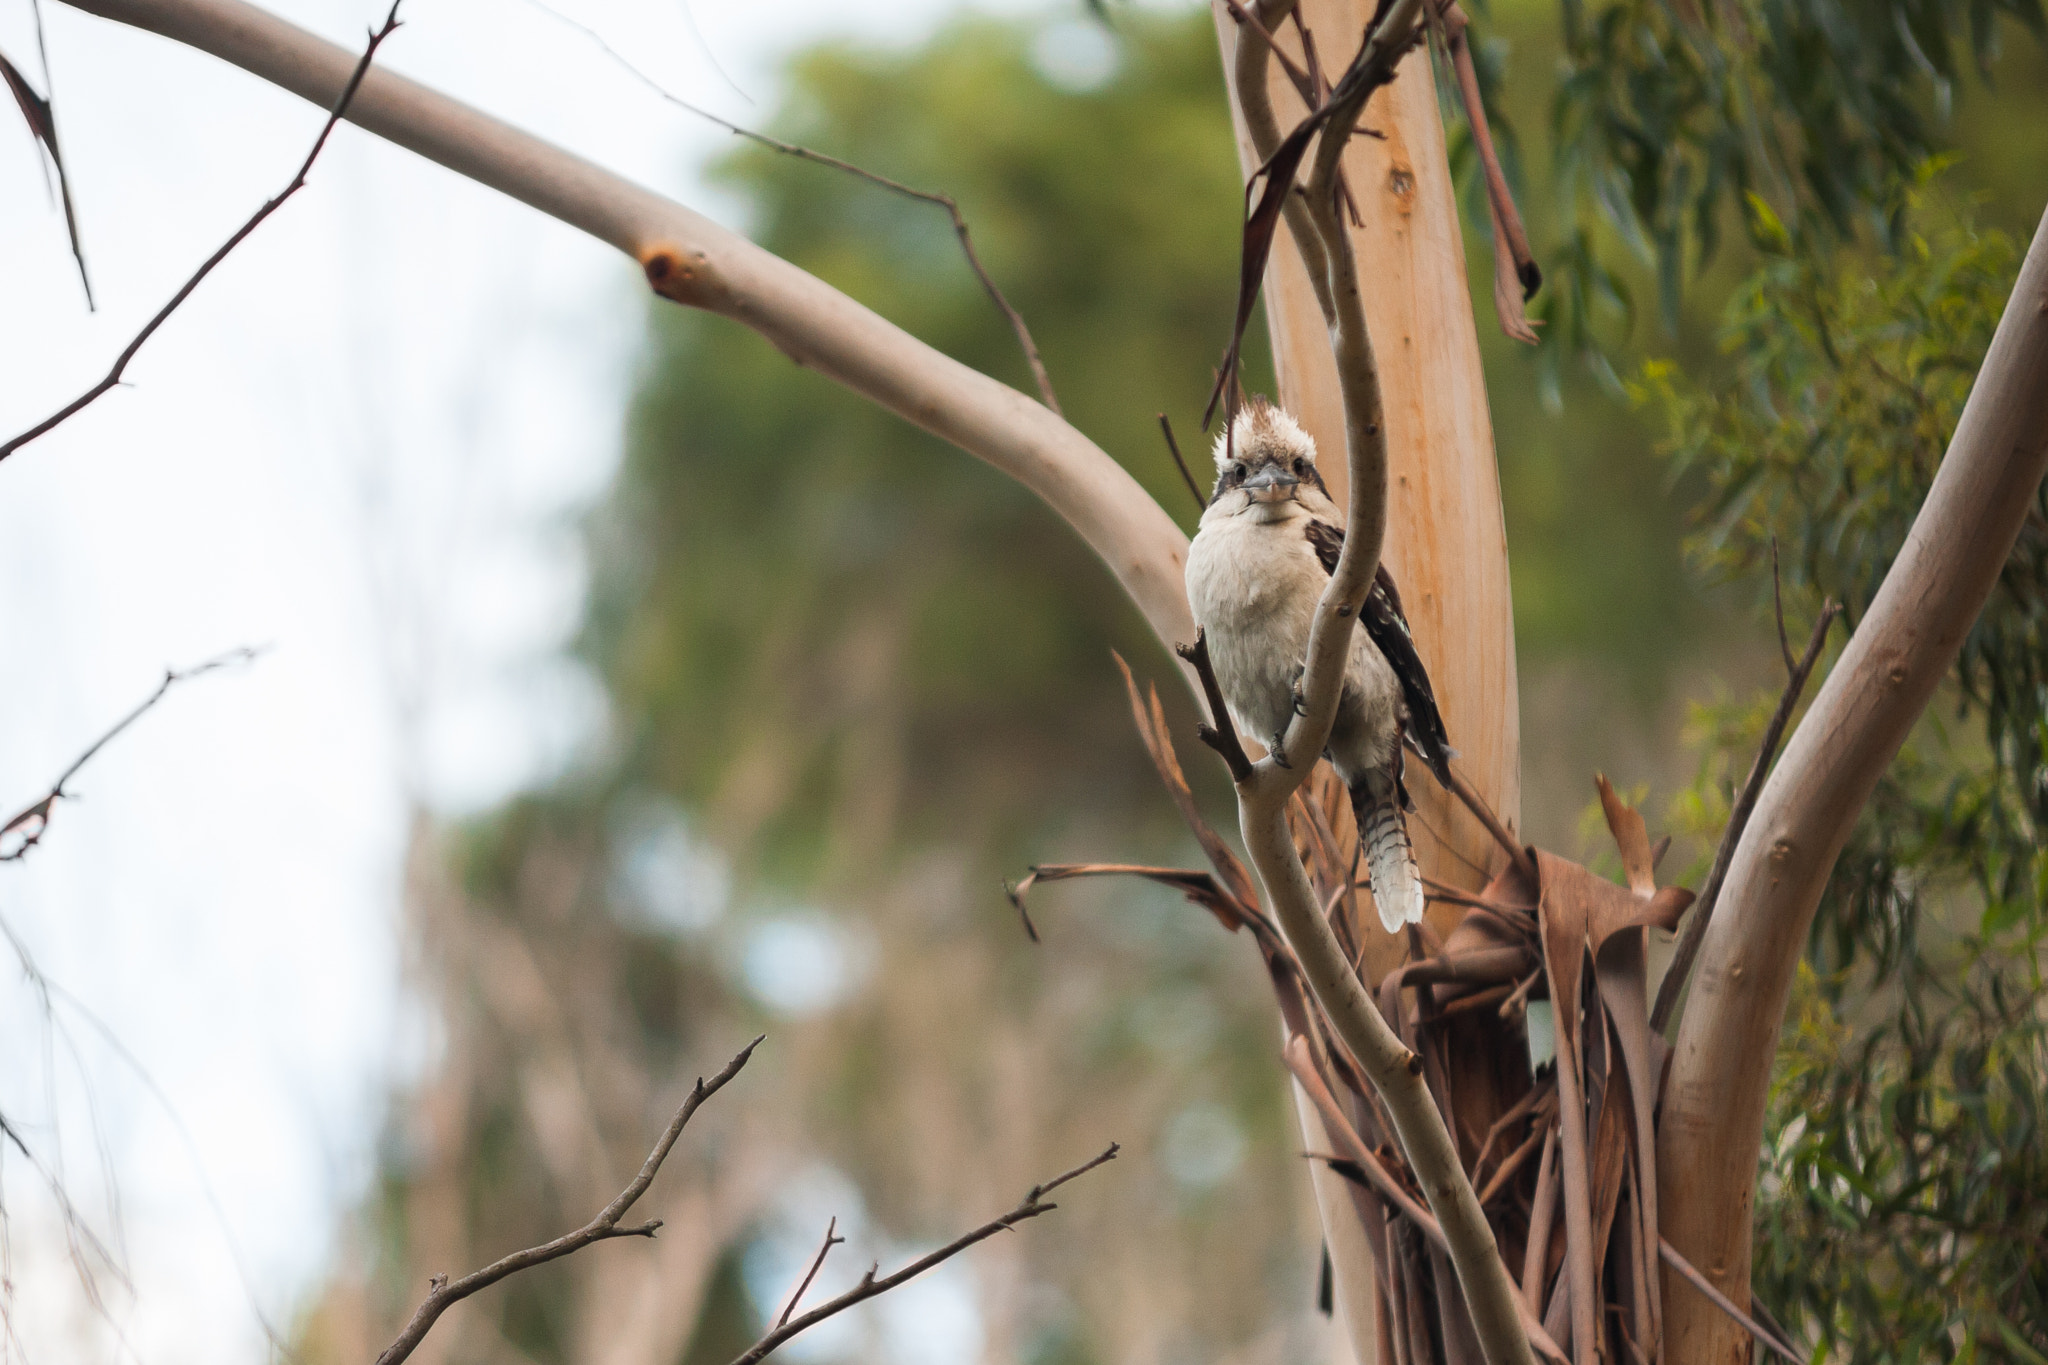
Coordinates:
[1032,1206]
[1516,275]
[1222,736]
[41,113]
[1512,1163]
[33,821]
[1030,929]
[1444,891]
[944,201]
[445,1293]
[1738,820]
[1475,803]
[1173,448]
[817,1264]
[270,206]
[1722,1302]
[1778,610]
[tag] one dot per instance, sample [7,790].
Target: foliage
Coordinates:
[1905,1210]
[1670,114]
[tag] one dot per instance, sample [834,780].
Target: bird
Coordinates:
[1267,546]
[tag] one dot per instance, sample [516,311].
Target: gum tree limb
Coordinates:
[1727,1040]
[691,260]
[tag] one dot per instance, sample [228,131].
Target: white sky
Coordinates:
[359,444]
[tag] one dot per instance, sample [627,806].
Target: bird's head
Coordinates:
[1266,454]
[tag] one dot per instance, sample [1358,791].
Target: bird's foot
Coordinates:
[1294,690]
[1277,746]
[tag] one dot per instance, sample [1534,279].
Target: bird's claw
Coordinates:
[1294,690]
[1277,747]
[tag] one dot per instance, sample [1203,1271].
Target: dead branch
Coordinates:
[1799,671]
[446,1293]
[1032,1205]
[1720,1301]
[1221,735]
[832,1239]
[42,125]
[270,206]
[1905,645]
[693,261]
[1518,854]
[1173,449]
[801,153]
[1254,102]
[1516,277]
[33,821]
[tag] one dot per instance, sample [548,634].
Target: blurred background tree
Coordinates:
[855,681]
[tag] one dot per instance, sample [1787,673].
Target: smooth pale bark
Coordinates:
[694,261]
[1720,1076]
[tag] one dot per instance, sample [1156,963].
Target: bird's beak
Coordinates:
[1270,483]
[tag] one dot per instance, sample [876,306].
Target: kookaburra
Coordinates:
[1268,544]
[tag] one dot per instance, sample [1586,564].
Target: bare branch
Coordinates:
[1173,449]
[1800,670]
[270,206]
[446,1293]
[1222,734]
[693,261]
[42,124]
[1778,611]
[1032,1205]
[1518,854]
[944,201]
[817,1264]
[1721,1301]
[1719,1080]
[1516,276]
[33,821]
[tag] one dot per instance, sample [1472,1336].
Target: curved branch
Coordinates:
[693,261]
[1263,793]
[1714,1100]
[1254,98]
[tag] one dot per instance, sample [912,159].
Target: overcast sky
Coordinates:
[359,446]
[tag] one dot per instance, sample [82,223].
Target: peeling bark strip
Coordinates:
[1904,646]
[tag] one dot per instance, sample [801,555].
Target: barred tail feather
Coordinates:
[1389,859]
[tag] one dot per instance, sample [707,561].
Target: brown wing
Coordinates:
[1388,629]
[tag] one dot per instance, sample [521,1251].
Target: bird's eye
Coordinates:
[1300,464]
[1237,471]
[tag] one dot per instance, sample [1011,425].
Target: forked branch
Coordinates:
[26,829]
[446,1293]
[1032,1205]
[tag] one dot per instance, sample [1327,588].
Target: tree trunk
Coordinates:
[1446,543]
